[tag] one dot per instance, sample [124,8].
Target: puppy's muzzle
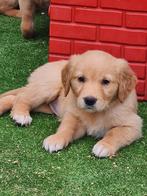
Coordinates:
[90,101]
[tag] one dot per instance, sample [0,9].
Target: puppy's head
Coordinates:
[97,79]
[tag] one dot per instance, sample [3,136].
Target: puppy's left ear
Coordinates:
[127,79]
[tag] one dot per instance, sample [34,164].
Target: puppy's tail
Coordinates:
[12,92]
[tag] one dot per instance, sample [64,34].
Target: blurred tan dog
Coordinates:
[27,12]
[93,93]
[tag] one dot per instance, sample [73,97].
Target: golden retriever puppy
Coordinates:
[93,94]
[27,12]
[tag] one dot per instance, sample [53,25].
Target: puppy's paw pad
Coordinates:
[101,150]
[22,119]
[54,143]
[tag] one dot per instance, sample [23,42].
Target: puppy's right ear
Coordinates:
[66,76]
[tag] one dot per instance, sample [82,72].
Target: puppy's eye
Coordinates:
[105,82]
[81,79]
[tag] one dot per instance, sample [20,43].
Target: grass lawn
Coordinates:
[26,169]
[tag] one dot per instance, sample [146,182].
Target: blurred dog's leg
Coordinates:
[12,12]
[27,9]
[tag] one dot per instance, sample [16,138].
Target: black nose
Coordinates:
[90,101]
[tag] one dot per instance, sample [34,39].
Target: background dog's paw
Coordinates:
[28,35]
[54,143]
[22,120]
[102,149]
[1,111]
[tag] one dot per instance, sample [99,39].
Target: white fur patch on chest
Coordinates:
[96,129]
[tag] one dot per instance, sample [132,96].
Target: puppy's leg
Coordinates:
[6,103]
[32,97]
[12,92]
[27,9]
[114,140]
[20,112]
[68,130]
[44,108]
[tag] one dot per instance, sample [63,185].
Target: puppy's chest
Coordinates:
[95,127]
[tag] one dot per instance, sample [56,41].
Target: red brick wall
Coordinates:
[115,26]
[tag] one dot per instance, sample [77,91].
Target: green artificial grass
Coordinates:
[26,168]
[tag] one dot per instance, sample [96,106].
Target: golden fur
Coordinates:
[27,12]
[93,93]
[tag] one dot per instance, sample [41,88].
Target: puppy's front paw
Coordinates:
[54,143]
[23,120]
[102,149]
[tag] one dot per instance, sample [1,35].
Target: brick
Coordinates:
[136,20]
[72,31]
[98,16]
[139,69]
[140,98]
[80,47]
[90,3]
[123,36]
[60,13]
[60,46]
[137,54]
[54,57]
[125,4]
[140,88]
[146,83]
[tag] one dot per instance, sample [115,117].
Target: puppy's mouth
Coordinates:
[90,108]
